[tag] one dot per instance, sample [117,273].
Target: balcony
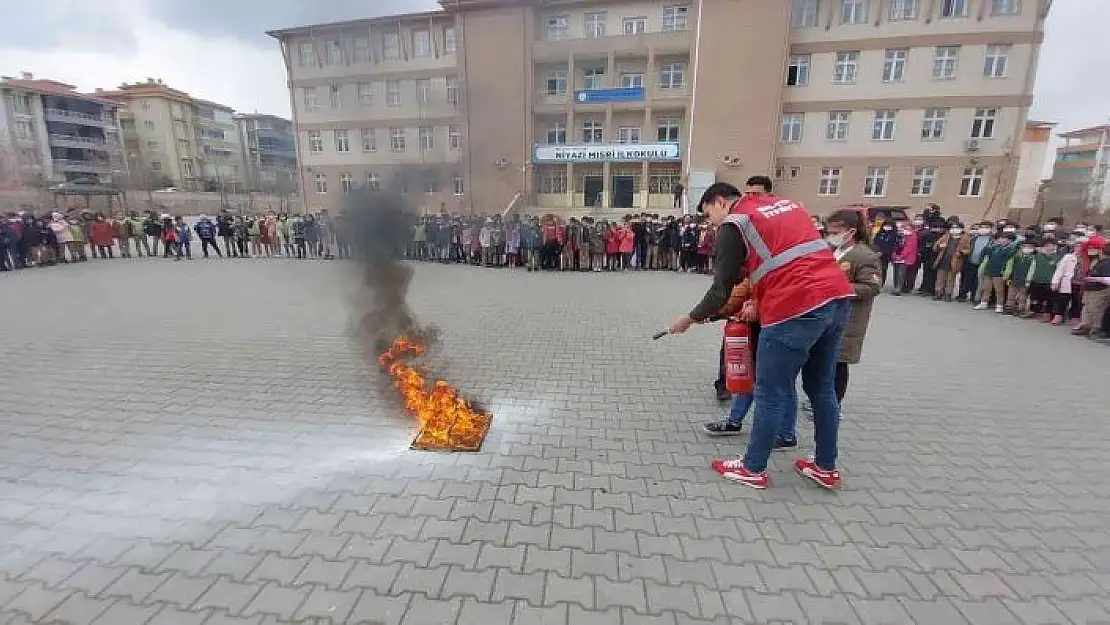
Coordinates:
[73,141]
[624,46]
[82,166]
[77,117]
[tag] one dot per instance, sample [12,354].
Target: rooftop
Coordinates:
[152,88]
[262,116]
[28,82]
[1072,134]
[366,21]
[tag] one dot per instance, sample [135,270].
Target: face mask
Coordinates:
[1027,250]
[888,228]
[1049,227]
[1049,250]
[1009,229]
[1092,253]
[956,231]
[918,222]
[983,231]
[1080,228]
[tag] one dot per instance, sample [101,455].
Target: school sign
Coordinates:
[606,153]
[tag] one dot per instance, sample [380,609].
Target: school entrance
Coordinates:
[624,191]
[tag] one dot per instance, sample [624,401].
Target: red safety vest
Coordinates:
[791,269]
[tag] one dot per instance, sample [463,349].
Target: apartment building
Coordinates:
[174,139]
[1030,175]
[1078,184]
[50,133]
[269,151]
[605,105]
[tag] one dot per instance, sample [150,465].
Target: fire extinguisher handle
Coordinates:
[659,335]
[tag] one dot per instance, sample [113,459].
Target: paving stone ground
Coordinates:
[200,443]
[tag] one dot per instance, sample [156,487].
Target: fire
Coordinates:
[447,421]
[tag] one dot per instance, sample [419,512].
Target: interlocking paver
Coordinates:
[268,478]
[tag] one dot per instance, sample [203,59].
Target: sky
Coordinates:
[218,50]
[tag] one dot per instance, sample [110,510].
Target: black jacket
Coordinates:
[730,254]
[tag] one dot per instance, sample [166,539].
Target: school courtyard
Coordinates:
[187,443]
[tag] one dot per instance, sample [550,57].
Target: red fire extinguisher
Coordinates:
[739,371]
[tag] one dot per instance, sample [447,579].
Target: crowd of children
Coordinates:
[548,243]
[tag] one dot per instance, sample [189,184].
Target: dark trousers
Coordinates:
[241,245]
[1040,298]
[884,267]
[105,251]
[641,254]
[911,278]
[969,281]
[229,245]
[5,260]
[299,244]
[1068,305]
[209,241]
[840,381]
[929,279]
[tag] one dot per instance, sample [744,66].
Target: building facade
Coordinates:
[606,105]
[50,134]
[1078,184]
[269,152]
[175,140]
[1030,175]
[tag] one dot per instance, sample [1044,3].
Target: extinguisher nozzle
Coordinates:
[659,335]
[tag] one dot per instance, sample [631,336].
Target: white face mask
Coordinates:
[918,222]
[1049,227]
[956,231]
[1027,250]
[1009,229]
[983,231]
[837,241]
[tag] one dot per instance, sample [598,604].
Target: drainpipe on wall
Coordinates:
[693,101]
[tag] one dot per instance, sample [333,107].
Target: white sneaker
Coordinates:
[998,309]
[981,306]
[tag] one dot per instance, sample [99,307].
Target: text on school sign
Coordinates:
[602,153]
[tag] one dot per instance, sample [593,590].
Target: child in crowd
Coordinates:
[1015,275]
[949,254]
[1039,281]
[184,237]
[992,269]
[1063,285]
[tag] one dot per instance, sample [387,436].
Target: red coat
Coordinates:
[102,233]
[627,239]
[799,273]
[612,241]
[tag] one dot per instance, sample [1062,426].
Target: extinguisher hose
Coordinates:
[659,335]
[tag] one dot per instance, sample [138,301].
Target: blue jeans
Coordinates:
[742,402]
[809,345]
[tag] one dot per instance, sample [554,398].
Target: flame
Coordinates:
[447,421]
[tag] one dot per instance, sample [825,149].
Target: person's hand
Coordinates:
[748,311]
[682,324]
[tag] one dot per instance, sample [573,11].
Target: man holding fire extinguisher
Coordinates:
[802,301]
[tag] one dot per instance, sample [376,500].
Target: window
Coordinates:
[945,59]
[391,46]
[334,52]
[334,96]
[971,184]
[421,43]
[342,141]
[553,182]
[829,183]
[853,11]
[423,90]
[24,130]
[882,128]
[845,68]
[152,145]
[674,18]
[427,138]
[155,165]
[557,28]
[953,8]
[932,128]
[982,125]
[635,25]
[431,183]
[21,103]
[924,179]
[369,140]
[452,89]
[182,146]
[186,168]
[450,44]
[631,80]
[797,73]
[308,54]
[667,130]
[321,183]
[393,92]
[373,182]
[1005,7]
[628,134]
[397,139]
[361,49]
[365,94]
[593,78]
[995,64]
[673,76]
[346,182]
[782,172]
[556,83]
[454,138]
[148,124]
[593,132]
[790,130]
[557,133]
[595,24]
[458,188]
[804,14]
[874,184]
[894,65]
[310,103]
[903,10]
[837,129]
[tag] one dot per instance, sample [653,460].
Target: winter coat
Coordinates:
[861,265]
[907,254]
[103,234]
[205,229]
[612,241]
[627,240]
[887,242]
[1065,273]
[960,254]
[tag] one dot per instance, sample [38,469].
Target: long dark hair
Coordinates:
[852,219]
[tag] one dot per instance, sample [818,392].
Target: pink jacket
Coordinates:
[907,255]
[1065,271]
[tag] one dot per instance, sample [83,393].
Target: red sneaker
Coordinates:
[734,470]
[806,467]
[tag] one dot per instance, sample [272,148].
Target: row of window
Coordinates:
[389,46]
[934,122]
[428,184]
[593,131]
[671,76]
[550,182]
[393,93]
[846,67]
[806,13]
[876,181]
[596,23]
[398,139]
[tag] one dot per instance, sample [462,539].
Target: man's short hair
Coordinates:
[760,181]
[718,190]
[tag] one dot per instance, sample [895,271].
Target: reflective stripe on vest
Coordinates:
[769,262]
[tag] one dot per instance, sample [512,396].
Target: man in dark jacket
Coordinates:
[206,232]
[152,227]
[226,231]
